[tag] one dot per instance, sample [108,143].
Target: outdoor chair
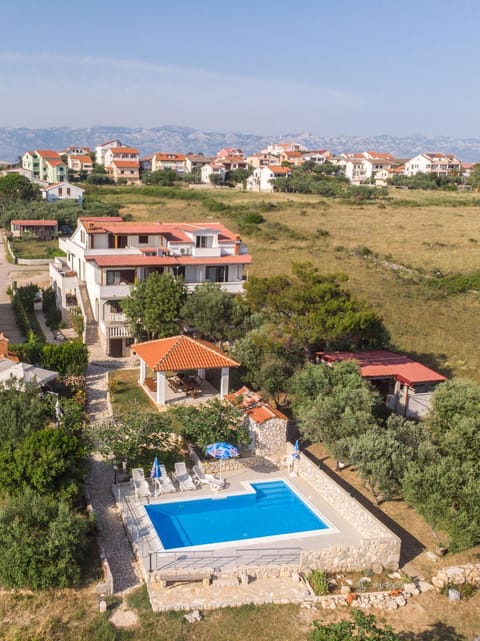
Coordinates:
[185,481]
[164,484]
[215,483]
[139,483]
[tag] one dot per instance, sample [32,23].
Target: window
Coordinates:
[201,241]
[143,240]
[217,274]
[120,276]
[60,191]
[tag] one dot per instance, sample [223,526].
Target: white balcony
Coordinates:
[114,291]
[112,319]
[209,252]
[119,331]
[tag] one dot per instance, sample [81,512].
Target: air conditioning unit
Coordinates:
[183,251]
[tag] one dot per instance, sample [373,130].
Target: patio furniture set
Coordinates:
[182,382]
[180,480]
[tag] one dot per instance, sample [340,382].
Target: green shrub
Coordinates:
[66,359]
[42,543]
[319,582]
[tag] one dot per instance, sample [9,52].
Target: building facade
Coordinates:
[106,257]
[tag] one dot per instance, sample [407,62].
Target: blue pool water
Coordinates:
[273,509]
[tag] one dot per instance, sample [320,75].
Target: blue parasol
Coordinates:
[296,450]
[155,472]
[222,450]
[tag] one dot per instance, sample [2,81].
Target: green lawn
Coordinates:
[30,248]
[126,394]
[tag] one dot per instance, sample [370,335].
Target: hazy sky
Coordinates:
[256,66]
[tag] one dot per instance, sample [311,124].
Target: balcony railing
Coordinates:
[112,319]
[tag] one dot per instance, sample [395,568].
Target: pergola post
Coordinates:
[224,381]
[143,372]
[161,383]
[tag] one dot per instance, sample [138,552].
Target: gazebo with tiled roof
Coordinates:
[181,354]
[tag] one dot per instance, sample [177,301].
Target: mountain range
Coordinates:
[16,141]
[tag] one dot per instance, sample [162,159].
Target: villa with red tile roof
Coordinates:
[163,161]
[433,163]
[45,164]
[405,384]
[362,167]
[106,257]
[262,177]
[78,163]
[101,150]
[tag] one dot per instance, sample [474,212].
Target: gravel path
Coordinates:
[115,544]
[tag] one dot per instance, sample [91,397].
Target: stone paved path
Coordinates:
[100,478]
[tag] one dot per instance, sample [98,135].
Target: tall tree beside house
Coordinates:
[210,310]
[153,307]
[315,311]
[447,490]
[333,404]
[17,188]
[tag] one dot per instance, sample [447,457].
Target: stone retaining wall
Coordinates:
[376,544]
[33,261]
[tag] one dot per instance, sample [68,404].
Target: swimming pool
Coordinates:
[272,509]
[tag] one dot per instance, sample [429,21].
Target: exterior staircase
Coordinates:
[90,331]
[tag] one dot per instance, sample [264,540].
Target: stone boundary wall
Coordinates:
[376,544]
[457,575]
[33,261]
[220,466]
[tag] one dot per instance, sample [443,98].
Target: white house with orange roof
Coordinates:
[261,159]
[125,171]
[101,150]
[110,256]
[363,167]
[433,163]
[263,178]
[45,164]
[120,153]
[172,161]
[293,157]
[80,163]
[212,169]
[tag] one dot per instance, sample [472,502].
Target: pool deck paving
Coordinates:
[224,589]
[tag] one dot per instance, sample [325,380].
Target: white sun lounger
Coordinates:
[215,483]
[185,481]
[139,483]
[164,484]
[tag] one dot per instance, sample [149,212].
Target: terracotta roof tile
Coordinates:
[382,364]
[35,223]
[180,353]
[254,406]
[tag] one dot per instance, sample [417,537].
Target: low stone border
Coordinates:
[457,575]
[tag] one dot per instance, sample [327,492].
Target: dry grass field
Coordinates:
[388,250]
